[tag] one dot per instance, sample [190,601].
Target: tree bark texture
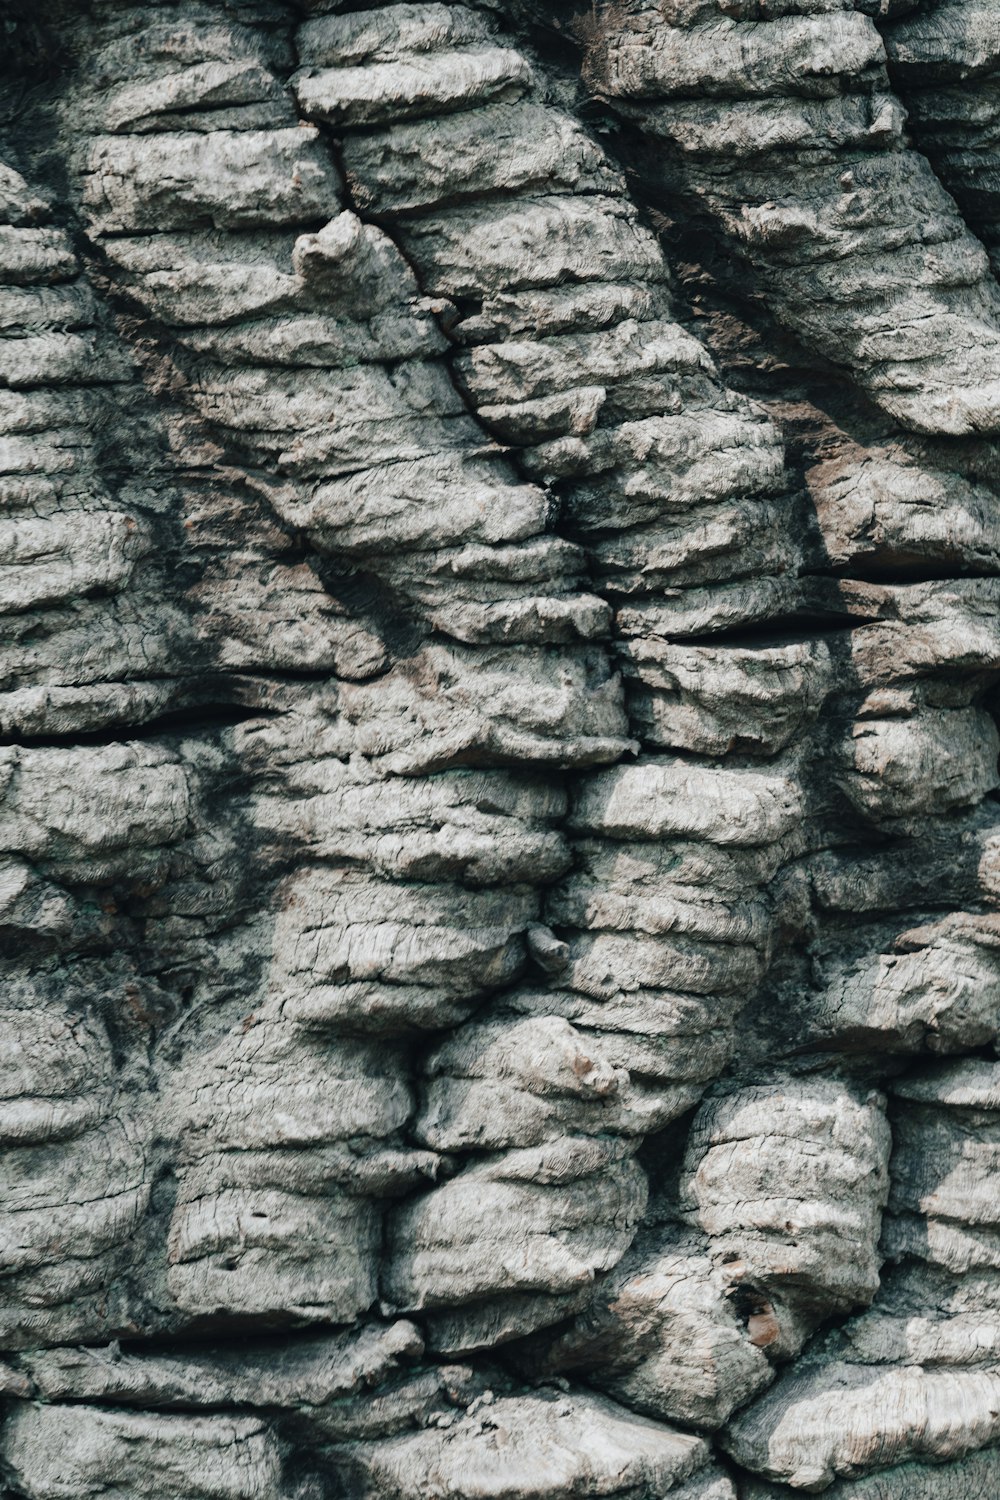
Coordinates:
[499,829]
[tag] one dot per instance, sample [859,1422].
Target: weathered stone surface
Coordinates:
[736,106]
[111,1453]
[664,1334]
[975,1476]
[538,1447]
[498,851]
[840,1421]
[944,62]
[788,1180]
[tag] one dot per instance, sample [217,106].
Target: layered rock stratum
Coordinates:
[499,827]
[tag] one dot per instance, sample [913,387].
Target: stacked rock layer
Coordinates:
[499,852]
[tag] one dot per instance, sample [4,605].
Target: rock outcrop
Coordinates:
[499,850]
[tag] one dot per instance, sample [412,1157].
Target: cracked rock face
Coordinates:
[499,850]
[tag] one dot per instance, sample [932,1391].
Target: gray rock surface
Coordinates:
[499,854]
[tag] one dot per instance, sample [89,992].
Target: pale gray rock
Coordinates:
[664,1334]
[972,1478]
[842,1421]
[51,1448]
[540,1446]
[914,1377]
[943,1180]
[498,686]
[735,104]
[882,507]
[788,1180]
[542,1219]
[944,61]
[223,179]
[307,1372]
[713,700]
[928,988]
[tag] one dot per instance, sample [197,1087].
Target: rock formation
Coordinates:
[499,830]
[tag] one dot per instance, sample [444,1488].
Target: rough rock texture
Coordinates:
[499,849]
